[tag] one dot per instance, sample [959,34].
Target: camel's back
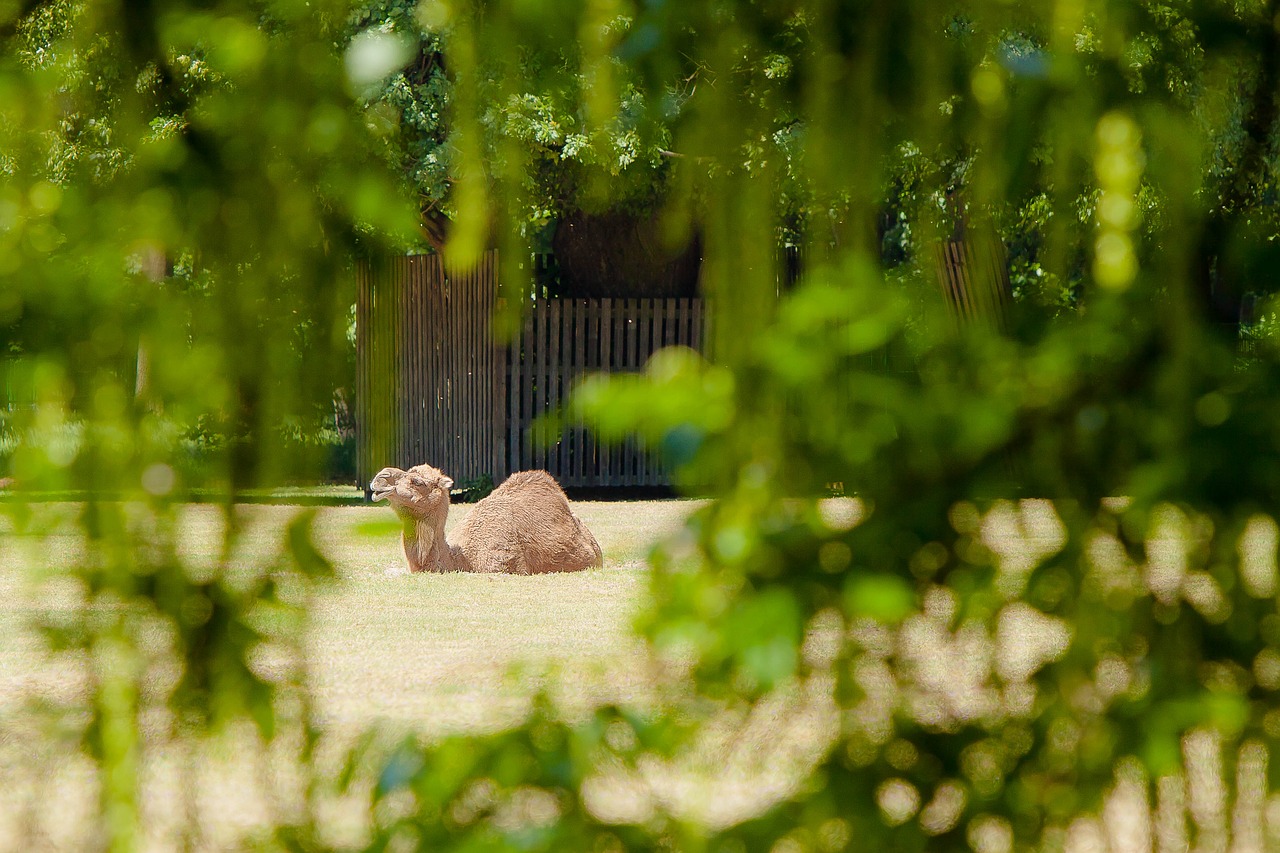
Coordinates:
[530,483]
[525,526]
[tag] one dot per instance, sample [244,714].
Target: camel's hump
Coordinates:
[525,479]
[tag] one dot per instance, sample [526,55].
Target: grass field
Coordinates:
[431,653]
[435,654]
[435,649]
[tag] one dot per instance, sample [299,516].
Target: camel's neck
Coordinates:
[427,550]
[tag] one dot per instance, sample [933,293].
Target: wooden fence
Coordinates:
[564,339]
[17,385]
[433,385]
[974,277]
[430,378]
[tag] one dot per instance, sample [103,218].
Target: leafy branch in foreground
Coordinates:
[1056,588]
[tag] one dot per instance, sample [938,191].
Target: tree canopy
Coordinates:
[1124,152]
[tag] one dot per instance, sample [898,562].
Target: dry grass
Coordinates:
[436,649]
[433,649]
[433,653]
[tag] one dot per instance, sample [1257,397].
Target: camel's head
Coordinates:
[421,492]
[383,485]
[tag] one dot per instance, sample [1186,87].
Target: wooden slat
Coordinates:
[622,470]
[476,430]
[390,370]
[591,465]
[964,266]
[417,388]
[497,367]
[554,459]
[488,382]
[460,355]
[544,378]
[371,429]
[471,427]
[627,473]
[625,337]
[632,331]
[644,322]
[429,309]
[456,353]
[432,385]
[450,354]
[962,281]
[605,453]
[400,371]
[538,458]
[411,375]
[404,363]
[579,370]
[657,324]
[362,372]
[515,384]
[697,330]
[644,348]
[405,360]
[391,305]
[383,324]
[443,449]
[988,300]
[472,424]
[478,378]
[564,383]
[450,397]
[382,372]
[528,379]
[415,383]
[975,281]
[481,438]
[408,372]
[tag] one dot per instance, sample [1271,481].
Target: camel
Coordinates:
[524,527]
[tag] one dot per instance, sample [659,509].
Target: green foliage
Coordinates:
[544,141]
[223,138]
[475,489]
[997,668]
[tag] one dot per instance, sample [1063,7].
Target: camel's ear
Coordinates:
[446,483]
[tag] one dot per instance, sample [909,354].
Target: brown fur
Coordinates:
[525,527]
